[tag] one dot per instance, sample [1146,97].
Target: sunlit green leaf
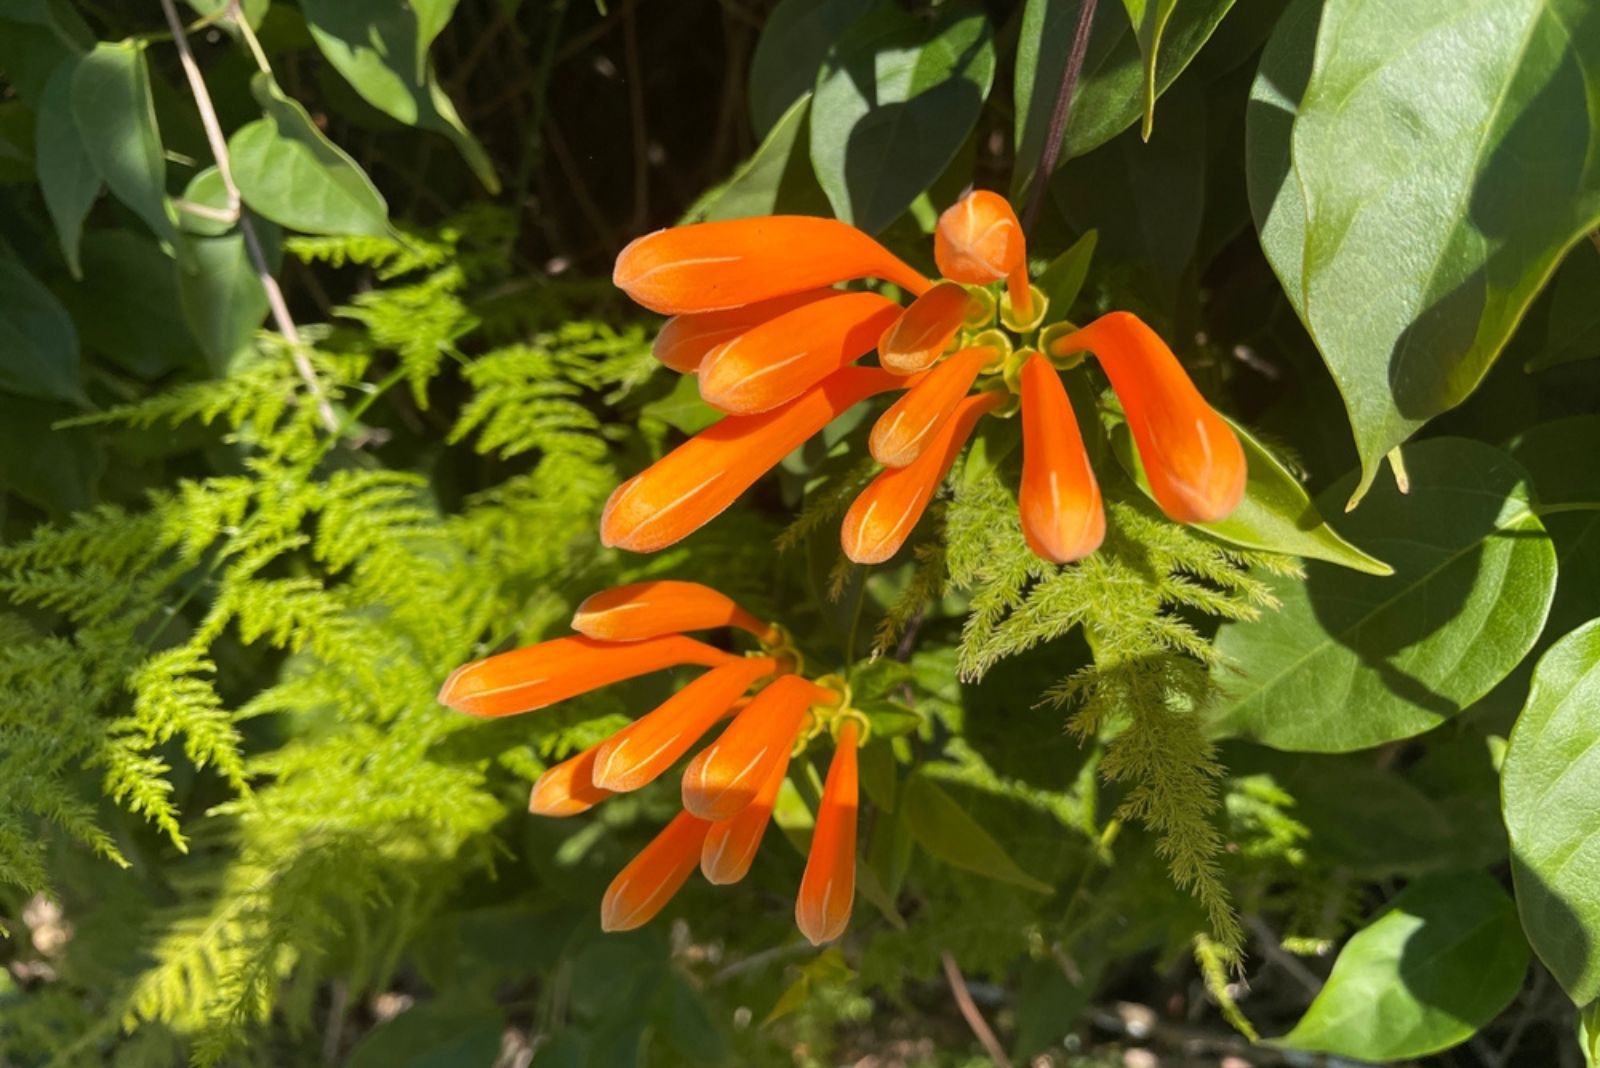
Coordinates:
[776,180]
[1351,661]
[1550,779]
[795,39]
[287,170]
[1440,962]
[1388,151]
[894,102]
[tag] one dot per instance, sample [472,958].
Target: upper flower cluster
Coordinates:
[758,318]
[729,788]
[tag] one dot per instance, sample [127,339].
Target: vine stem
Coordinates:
[969,1012]
[258,258]
[1058,117]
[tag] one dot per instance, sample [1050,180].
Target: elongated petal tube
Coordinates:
[1062,518]
[643,888]
[715,265]
[979,241]
[539,675]
[727,775]
[828,888]
[902,432]
[658,607]
[1191,455]
[775,362]
[924,330]
[685,339]
[730,846]
[648,746]
[883,516]
[691,485]
[568,788]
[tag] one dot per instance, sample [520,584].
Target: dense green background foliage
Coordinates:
[1325,776]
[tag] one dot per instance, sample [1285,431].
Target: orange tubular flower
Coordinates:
[1192,457]
[716,265]
[731,845]
[568,788]
[643,888]
[538,675]
[914,420]
[691,485]
[653,609]
[725,778]
[923,331]
[651,744]
[1062,519]
[882,517]
[686,339]
[775,362]
[979,241]
[828,888]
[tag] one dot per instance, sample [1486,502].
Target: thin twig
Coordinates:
[258,258]
[1272,948]
[1058,117]
[969,1010]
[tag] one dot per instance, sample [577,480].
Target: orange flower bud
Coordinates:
[1192,457]
[979,241]
[914,420]
[643,888]
[685,339]
[731,844]
[924,330]
[568,788]
[777,361]
[1062,519]
[641,751]
[715,265]
[882,517]
[828,888]
[690,486]
[539,675]
[784,357]
[727,774]
[660,606]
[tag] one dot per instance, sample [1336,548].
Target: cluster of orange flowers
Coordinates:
[758,318]
[731,786]
[774,345]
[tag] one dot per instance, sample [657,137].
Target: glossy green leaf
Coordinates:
[1109,97]
[1440,962]
[381,49]
[1276,514]
[116,120]
[1351,661]
[1149,19]
[288,171]
[1549,782]
[944,829]
[794,41]
[223,299]
[253,10]
[1389,178]
[37,338]
[67,175]
[893,104]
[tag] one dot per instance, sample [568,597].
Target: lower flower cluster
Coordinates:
[731,786]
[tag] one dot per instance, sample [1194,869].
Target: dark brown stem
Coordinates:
[1058,117]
